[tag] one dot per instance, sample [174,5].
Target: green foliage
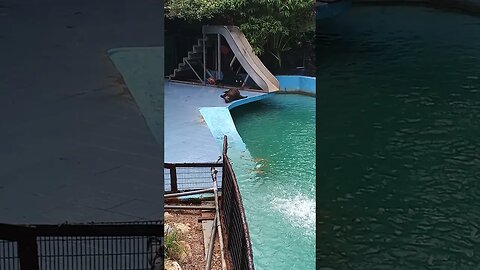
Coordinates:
[173,247]
[192,10]
[272,26]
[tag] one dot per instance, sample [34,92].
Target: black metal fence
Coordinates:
[189,176]
[126,245]
[233,219]
[193,176]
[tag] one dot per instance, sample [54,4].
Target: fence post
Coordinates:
[225,145]
[28,252]
[173,178]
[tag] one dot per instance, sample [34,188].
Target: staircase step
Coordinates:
[197,49]
[192,60]
[194,57]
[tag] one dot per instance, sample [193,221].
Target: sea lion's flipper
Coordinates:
[225,99]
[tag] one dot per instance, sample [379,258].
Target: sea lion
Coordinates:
[231,95]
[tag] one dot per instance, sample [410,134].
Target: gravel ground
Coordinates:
[194,239]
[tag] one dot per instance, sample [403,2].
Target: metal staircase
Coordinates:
[192,64]
[191,68]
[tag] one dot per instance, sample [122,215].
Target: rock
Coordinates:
[186,250]
[167,216]
[167,229]
[183,228]
[172,265]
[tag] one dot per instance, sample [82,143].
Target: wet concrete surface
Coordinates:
[188,138]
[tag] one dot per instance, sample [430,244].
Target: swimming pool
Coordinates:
[277,179]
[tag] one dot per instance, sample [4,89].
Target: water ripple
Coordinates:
[399,141]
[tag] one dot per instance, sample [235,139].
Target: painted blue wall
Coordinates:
[297,83]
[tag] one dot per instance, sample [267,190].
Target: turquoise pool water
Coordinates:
[277,179]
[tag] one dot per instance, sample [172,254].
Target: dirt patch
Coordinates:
[193,237]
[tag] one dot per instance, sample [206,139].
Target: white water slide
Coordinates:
[244,54]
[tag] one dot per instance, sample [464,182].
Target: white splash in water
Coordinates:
[300,211]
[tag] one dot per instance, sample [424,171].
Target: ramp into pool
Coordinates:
[192,114]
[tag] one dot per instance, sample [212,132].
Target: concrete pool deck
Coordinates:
[193,114]
[75,147]
[197,118]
